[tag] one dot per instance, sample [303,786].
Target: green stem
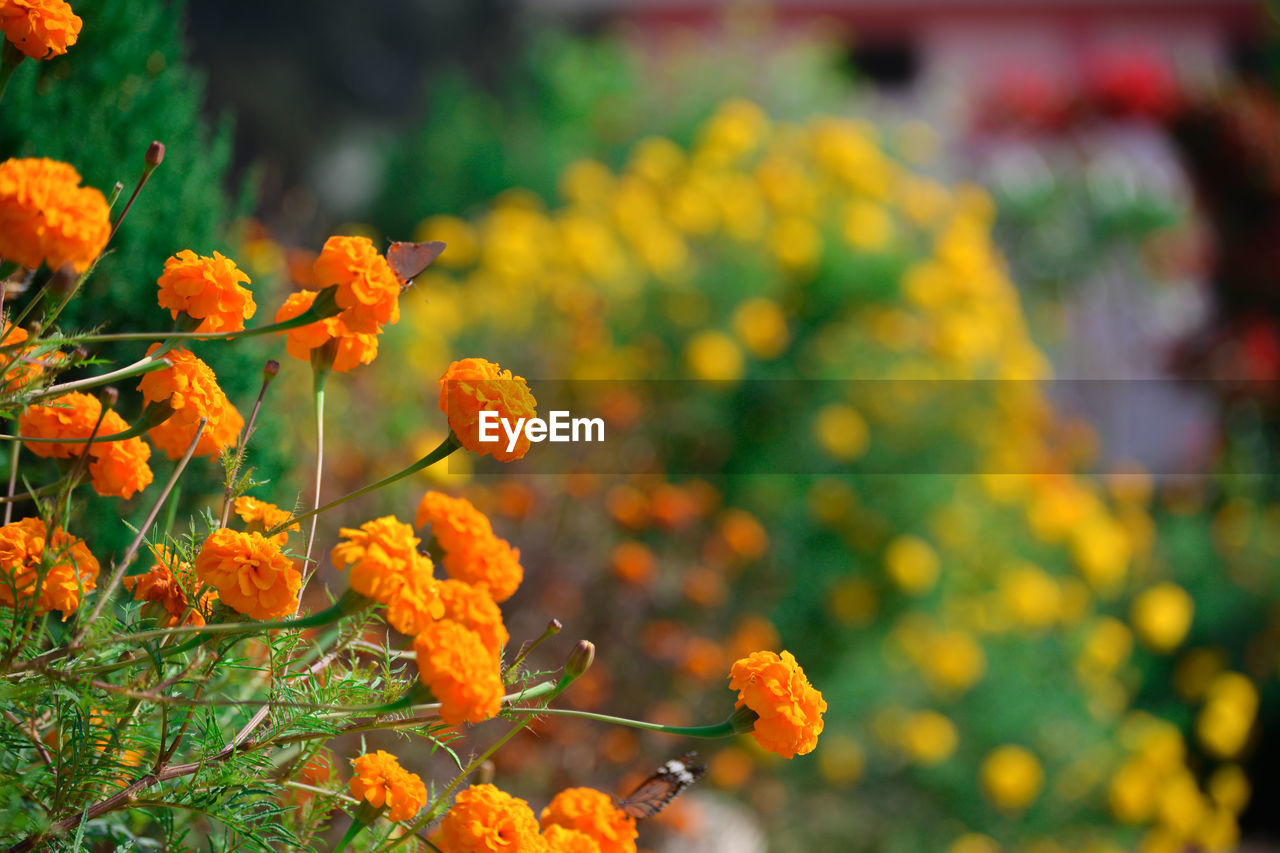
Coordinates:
[320,373]
[364,816]
[723,729]
[445,447]
[153,416]
[148,363]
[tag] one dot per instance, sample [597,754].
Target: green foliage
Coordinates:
[124,84]
[566,98]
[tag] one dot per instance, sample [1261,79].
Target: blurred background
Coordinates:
[1044,608]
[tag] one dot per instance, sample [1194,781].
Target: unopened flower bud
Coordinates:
[270,369]
[155,154]
[110,396]
[579,659]
[555,626]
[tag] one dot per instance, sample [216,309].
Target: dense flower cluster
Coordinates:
[41,29]
[18,368]
[46,216]
[209,289]
[116,468]
[172,584]
[251,575]
[473,385]
[380,781]
[190,388]
[473,553]
[790,709]
[386,566]
[458,669]
[485,819]
[474,608]
[54,572]
[594,814]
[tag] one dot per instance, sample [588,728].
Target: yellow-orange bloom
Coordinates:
[475,608]
[261,516]
[41,29]
[460,672]
[484,819]
[45,215]
[473,554]
[351,349]
[72,570]
[368,290]
[490,562]
[17,366]
[250,573]
[789,707]
[207,289]
[192,391]
[387,567]
[116,468]
[119,468]
[473,385]
[167,583]
[379,780]
[563,840]
[593,813]
[455,522]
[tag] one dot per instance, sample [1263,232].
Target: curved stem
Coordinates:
[445,447]
[146,364]
[723,729]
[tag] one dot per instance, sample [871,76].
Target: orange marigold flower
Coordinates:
[17,366]
[188,386]
[261,516]
[250,573]
[119,468]
[387,567]
[72,415]
[368,291]
[41,29]
[593,813]
[73,570]
[352,349]
[789,707]
[473,385]
[167,583]
[489,562]
[207,289]
[223,429]
[563,840]
[455,522]
[484,819]
[475,608]
[116,468]
[381,781]
[461,673]
[45,215]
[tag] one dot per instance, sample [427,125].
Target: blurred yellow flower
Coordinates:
[713,356]
[841,760]
[929,737]
[912,564]
[1011,777]
[1162,614]
[1031,596]
[867,225]
[762,327]
[842,433]
[462,243]
[1226,719]
[795,243]
[974,842]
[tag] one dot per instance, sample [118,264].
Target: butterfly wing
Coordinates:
[408,260]
[656,793]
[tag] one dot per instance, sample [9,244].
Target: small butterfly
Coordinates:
[656,793]
[408,260]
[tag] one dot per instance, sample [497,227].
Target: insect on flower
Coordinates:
[407,260]
[668,782]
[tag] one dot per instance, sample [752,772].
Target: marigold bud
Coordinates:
[155,154]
